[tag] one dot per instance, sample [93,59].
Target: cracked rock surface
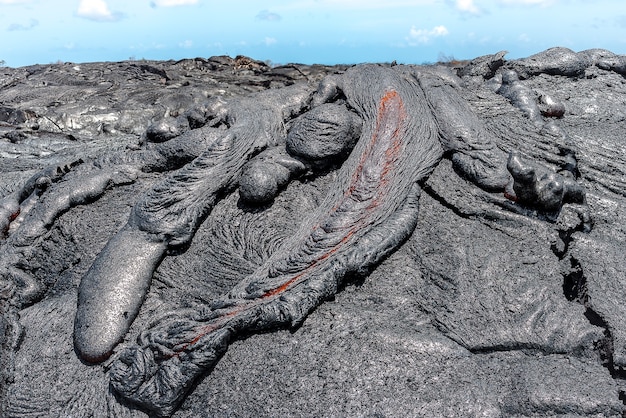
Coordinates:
[488,309]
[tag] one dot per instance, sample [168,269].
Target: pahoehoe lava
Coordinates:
[372,210]
[476,205]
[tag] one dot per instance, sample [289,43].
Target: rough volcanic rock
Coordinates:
[489,309]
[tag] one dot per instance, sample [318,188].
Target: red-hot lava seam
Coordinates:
[386,140]
[13,216]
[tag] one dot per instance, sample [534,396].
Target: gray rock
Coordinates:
[326,131]
[490,307]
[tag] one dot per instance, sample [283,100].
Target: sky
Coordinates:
[302,31]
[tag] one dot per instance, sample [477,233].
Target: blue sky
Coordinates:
[304,31]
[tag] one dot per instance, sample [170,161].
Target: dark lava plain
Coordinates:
[490,308]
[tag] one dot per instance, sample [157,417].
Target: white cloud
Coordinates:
[269,41]
[187,44]
[467,6]
[529,2]
[18,26]
[170,3]
[14,1]
[524,37]
[424,36]
[375,4]
[268,16]
[353,4]
[97,10]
